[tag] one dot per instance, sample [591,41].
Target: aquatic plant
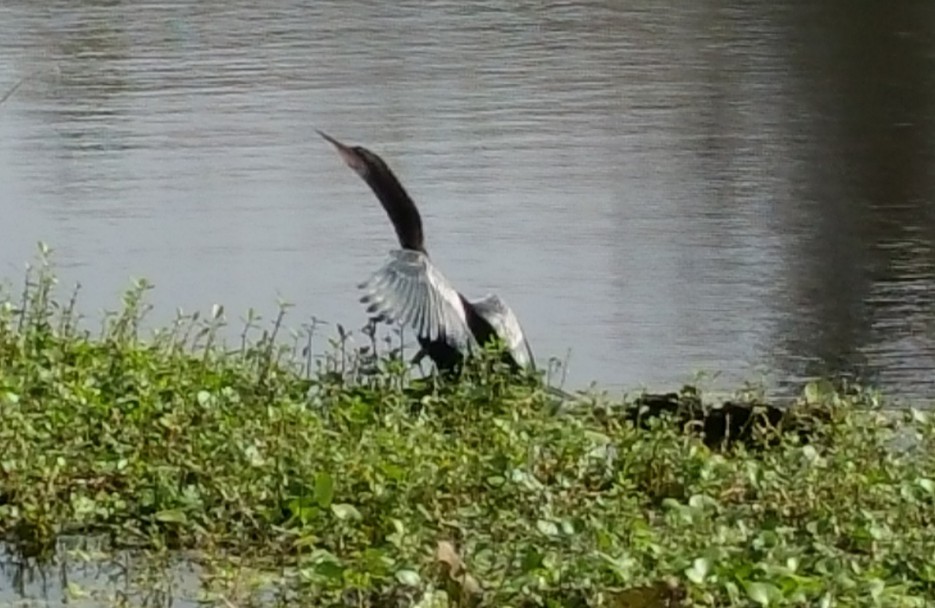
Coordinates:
[344,481]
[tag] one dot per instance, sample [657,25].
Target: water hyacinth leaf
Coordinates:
[698,571]
[810,453]
[308,540]
[702,501]
[433,598]
[763,594]
[83,505]
[346,511]
[408,577]
[303,507]
[817,391]
[254,456]
[398,535]
[324,489]
[330,569]
[392,471]
[171,516]
[76,591]
[532,560]
[876,588]
[622,565]
[568,527]
[547,527]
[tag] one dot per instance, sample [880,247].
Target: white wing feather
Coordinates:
[410,290]
[506,325]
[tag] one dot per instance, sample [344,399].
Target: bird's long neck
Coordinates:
[400,207]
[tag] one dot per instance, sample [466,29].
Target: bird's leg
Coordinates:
[417,360]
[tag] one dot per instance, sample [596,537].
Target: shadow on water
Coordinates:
[804,200]
[863,259]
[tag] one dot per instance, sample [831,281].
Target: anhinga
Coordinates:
[409,289]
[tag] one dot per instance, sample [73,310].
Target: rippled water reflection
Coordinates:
[733,188]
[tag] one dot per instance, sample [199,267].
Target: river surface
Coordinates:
[735,187]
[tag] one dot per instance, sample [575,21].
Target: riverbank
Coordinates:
[352,484]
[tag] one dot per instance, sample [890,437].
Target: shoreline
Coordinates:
[355,478]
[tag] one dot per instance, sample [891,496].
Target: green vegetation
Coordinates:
[351,485]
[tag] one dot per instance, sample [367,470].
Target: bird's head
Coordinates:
[364,162]
[394,198]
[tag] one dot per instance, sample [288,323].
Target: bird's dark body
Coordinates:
[446,357]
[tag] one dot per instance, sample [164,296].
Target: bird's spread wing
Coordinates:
[505,324]
[410,290]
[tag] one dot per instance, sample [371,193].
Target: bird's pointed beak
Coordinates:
[351,158]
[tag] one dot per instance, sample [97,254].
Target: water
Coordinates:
[735,187]
[83,573]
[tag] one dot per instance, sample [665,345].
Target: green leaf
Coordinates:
[172,516]
[547,527]
[76,591]
[82,505]
[308,540]
[622,565]
[408,577]
[698,570]
[810,453]
[762,593]
[394,472]
[568,527]
[818,390]
[324,489]
[330,569]
[532,560]
[346,511]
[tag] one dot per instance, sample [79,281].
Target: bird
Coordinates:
[411,290]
